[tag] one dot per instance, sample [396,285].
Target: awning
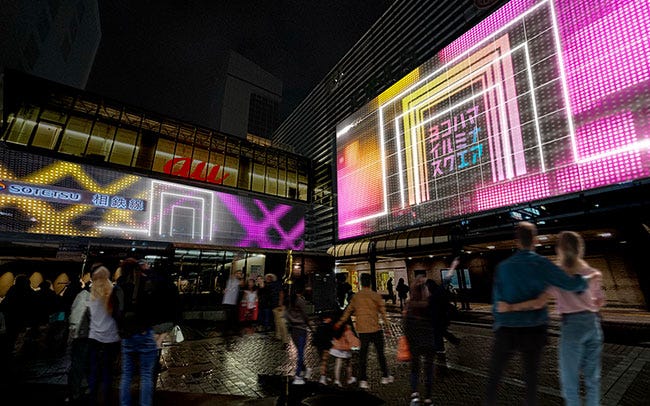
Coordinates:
[408,240]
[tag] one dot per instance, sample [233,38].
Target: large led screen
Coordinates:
[540,99]
[46,196]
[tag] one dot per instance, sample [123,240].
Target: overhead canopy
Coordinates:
[393,243]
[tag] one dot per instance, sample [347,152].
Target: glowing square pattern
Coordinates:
[542,98]
[59,203]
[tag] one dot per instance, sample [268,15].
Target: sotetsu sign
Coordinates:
[198,173]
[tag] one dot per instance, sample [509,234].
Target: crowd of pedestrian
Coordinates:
[113,323]
[117,321]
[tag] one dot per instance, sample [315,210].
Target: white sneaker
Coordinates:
[338,383]
[351,380]
[364,385]
[387,379]
[308,373]
[323,380]
[297,380]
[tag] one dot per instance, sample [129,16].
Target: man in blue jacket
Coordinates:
[523,276]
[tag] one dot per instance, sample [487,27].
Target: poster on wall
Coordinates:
[43,195]
[542,98]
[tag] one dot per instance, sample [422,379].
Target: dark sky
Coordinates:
[152,42]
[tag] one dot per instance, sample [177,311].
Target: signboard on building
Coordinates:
[541,99]
[43,195]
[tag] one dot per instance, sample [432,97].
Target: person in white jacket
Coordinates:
[78,327]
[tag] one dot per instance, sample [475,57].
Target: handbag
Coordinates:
[177,334]
[403,351]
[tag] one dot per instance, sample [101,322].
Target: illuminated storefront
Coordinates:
[44,195]
[85,179]
[73,124]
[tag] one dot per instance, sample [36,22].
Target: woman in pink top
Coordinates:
[581,336]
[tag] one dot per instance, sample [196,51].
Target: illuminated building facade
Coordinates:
[79,171]
[537,110]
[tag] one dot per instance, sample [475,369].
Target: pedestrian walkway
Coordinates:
[255,369]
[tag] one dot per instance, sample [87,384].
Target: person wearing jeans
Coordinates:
[581,336]
[367,306]
[137,303]
[523,277]
[141,347]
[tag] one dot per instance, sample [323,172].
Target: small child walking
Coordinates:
[342,344]
[322,340]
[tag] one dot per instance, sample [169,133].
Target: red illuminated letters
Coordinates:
[184,170]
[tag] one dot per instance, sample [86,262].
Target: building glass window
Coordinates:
[123,147]
[232,167]
[271,175]
[282,176]
[200,155]
[217,159]
[292,179]
[54,116]
[101,141]
[263,116]
[164,152]
[259,169]
[46,135]
[75,136]
[23,125]
[145,149]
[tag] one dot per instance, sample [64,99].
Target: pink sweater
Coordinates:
[571,302]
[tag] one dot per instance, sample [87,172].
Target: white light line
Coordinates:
[460,103]
[463,55]
[400,164]
[416,164]
[125,230]
[162,199]
[464,79]
[383,162]
[171,223]
[360,219]
[211,216]
[532,97]
[151,208]
[505,132]
[636,147]
[565,88]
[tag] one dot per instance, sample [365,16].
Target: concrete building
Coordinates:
[56,40]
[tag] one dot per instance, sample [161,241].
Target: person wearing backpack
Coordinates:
[135,313]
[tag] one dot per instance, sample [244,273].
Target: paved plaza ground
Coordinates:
[255,369]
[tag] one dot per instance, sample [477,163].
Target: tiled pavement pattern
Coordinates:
[256,365]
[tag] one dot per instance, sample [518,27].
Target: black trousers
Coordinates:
[377,338]
[529,342]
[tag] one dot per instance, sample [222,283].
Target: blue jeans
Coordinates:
[581,344]
[299,337]
[143,346]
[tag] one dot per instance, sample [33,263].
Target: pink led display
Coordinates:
[542,98]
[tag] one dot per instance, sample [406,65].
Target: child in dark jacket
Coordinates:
[323,342]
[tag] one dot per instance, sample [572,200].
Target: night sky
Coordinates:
[153,49]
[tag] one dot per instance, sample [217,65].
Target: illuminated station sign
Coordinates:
[43,195]
[540,99]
